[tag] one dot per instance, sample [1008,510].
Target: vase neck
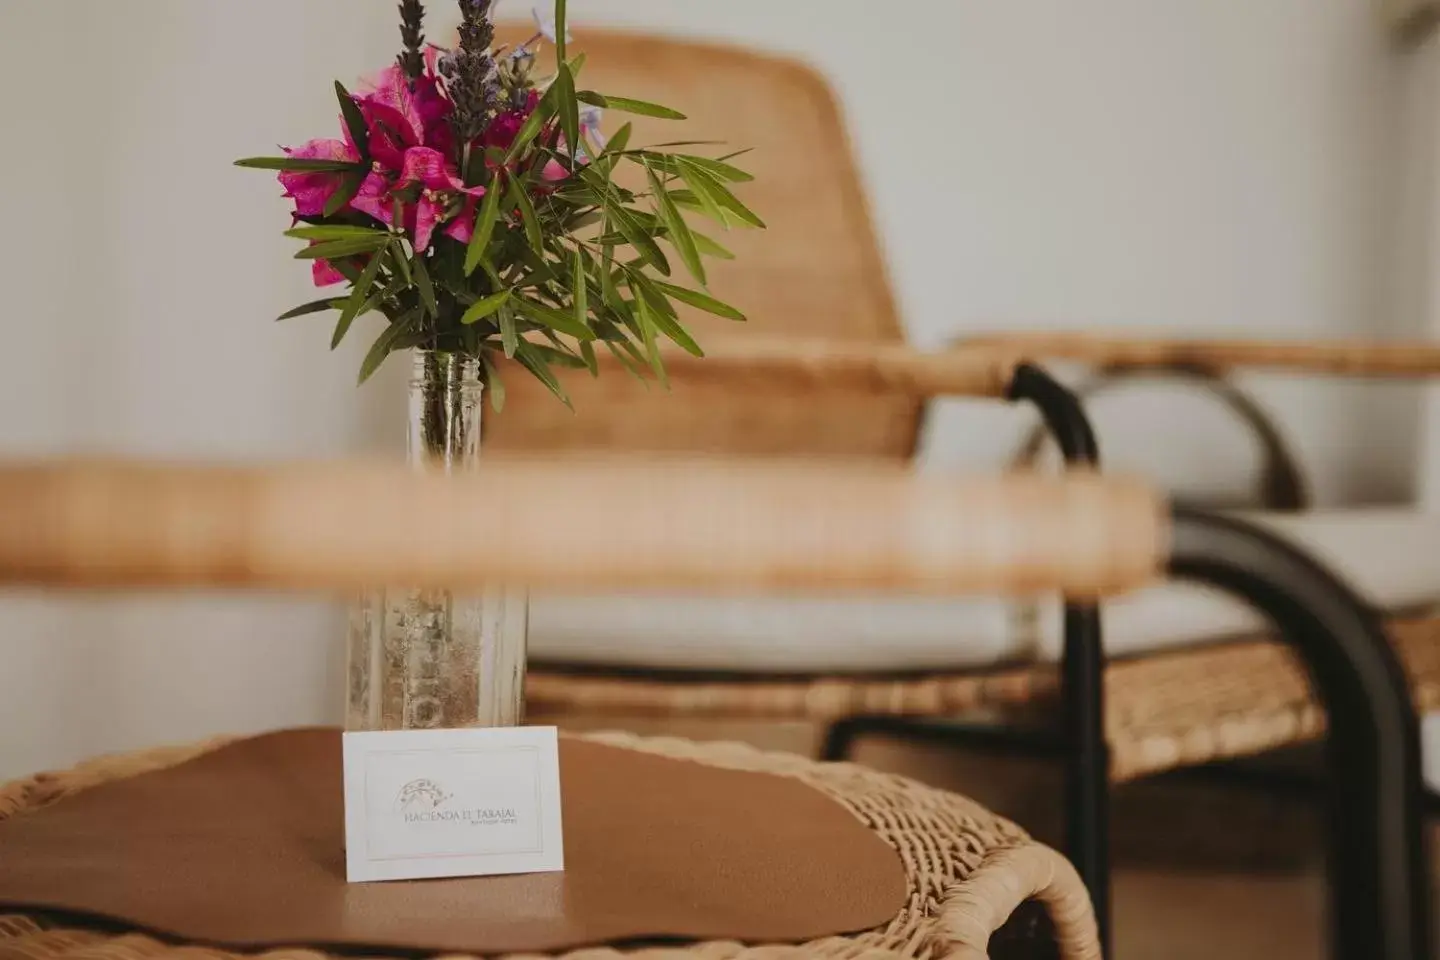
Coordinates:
[446,402]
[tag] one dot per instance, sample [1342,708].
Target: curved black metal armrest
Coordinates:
[1379,868]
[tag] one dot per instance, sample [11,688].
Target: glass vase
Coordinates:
[433,659]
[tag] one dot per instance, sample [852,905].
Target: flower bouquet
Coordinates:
[472,201]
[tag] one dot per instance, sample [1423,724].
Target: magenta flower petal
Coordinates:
[429,167]
[375,199]
[311,191]
[427,217]
[326,275]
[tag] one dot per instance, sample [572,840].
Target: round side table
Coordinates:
[979,886]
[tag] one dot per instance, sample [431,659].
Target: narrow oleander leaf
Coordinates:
[558,320]
[335,249]
[578,289]
[336,232]
[705,185]
[425,286]
[299,165]
[701,300]
[718,168]
[354,122]
[699,197]
[621,140]
[641,108]
[567,106]
[314,306]
[509,332]
[493,383]
[649,332]
[679,230]
[536,363]
[486,307]
[350,186]
[530,129]
[402,269]
[484,227]
[635,368]
[521,198]
[710,247]
[637,236]
[358,299]
[385,343]
[560,41]
[577,63]
[587,353]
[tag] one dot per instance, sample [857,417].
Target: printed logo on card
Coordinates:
[426,802]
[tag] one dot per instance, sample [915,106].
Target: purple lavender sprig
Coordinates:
[471,74]
[412,32]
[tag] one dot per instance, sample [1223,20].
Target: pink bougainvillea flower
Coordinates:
[325,274]
[311,191]
[503,130]
[424,170]
[400,118]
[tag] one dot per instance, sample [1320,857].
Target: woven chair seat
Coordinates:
[1164,711]
[977,882]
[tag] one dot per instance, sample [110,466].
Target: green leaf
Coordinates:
[587,353]
[357,300]
[336,232]
[638,238]
[555,319]
[577,63]
[640,108]
[385,342]
[314,306]
[697,199]
[705,185]
[565,104]
[710,247]
[521,199]
[425,286]
[298,165]
[560,6]
[354,121]
[349,189]
[718,168]
[635,366]
[402,264]
[533,125]
[487,307]
[533,361]
[493,383]
[335,249]
[579,290]
[679,230]
[649,332]
[704,301]
[484,227]
[509,333]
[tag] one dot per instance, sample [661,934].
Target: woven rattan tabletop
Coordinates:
[970,872]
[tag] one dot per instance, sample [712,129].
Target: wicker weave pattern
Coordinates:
[1164,710]
[942,839]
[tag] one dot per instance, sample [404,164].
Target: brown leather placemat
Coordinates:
[244,848]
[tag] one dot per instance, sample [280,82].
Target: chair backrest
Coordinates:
[815,273]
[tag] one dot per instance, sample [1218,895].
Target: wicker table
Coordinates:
[979,886]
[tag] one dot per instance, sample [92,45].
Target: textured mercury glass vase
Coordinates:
[432,659]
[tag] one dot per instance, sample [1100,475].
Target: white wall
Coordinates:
[1204,166]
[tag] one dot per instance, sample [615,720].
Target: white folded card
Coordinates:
[427,804]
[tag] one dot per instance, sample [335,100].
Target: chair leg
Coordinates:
[840,738]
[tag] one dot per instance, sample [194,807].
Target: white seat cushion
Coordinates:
[1391,557]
